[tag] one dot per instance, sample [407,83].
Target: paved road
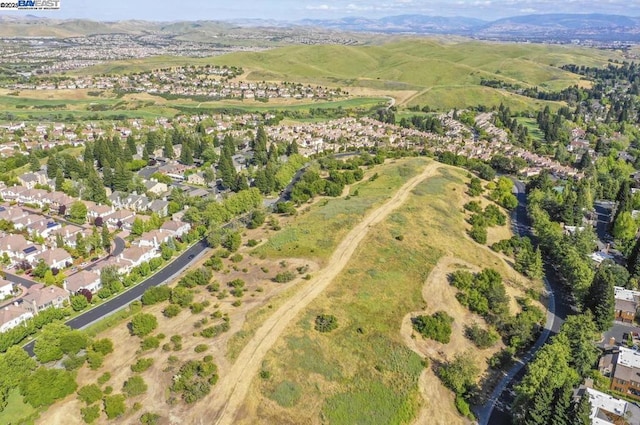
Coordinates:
[121,301]
[495,410]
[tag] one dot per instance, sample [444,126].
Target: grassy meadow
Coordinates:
[427,71]
[363,372]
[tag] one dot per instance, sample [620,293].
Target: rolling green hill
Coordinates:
[442,74]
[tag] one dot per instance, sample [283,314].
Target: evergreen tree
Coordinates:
[240,183]
[582,411]
[131,146]
[106,238]
[59,180]
[540,406]
[562,409]
[34,163]
[226,170]
[292,148]
[600,299]
[95,189]
[87,155]
[52,166]
[167,150]
[122,176]
[259,147]
[186,155]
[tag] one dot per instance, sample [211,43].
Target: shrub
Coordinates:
[172,310]
[481,338]
[95,360]
[181,296]
[236,258]
[142,364]
[478,233]
[150,418]
[89,394]
[252,242]
[114,406]
[73,362]
[104,378]
[436,326]
[197,308]
[284,277]
[79,302]
[90,414]
[134,386]
[156,294]
[150,343]
[103,346]
[326,323]
[143,324]
[201,348]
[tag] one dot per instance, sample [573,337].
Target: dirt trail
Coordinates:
[234,386]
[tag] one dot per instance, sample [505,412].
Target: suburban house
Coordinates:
[178,228]
[12,316]
[196,178]
[18,248]
[160,207]
[83,280]
[609,410]
[625,377]
[626,304]
[40,297]
[97,210]
[117,218]
[153,238]
[156,187]
[29,180]
[56,258]
[137,255]
[6,288]
[68,234]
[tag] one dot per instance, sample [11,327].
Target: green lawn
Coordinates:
[17,411]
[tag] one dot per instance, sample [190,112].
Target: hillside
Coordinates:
[441,74]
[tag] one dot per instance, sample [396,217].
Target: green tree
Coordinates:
[15,367]
[167,150]
[600,298]
[40,269]
[34,163]
[89,394]
[95,190]
[137,227]
[59,181]
[259,147]
[143,324]
[106,238]
[134,386]
[78,212]
[79,302]
[562,409]
[582,415]
[114,405]
[45,386]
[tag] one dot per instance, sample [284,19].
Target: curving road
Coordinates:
[502,395]
[113,305]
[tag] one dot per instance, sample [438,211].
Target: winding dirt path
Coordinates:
[234,386]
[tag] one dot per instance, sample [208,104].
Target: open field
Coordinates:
[437,72]
[58,105]
[363,372]
[320,227]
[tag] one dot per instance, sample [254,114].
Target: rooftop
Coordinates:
[629,358]
[621,293]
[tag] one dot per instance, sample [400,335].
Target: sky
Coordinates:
[174,10]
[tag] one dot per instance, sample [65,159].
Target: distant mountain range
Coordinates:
[531,27]
[549,27]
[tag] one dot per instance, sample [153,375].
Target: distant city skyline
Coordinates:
[290,10]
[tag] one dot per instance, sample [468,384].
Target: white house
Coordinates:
[178,228]
[6,288]
[40,298]
[83,280]
[56,258]
[137,255]
[12,316]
